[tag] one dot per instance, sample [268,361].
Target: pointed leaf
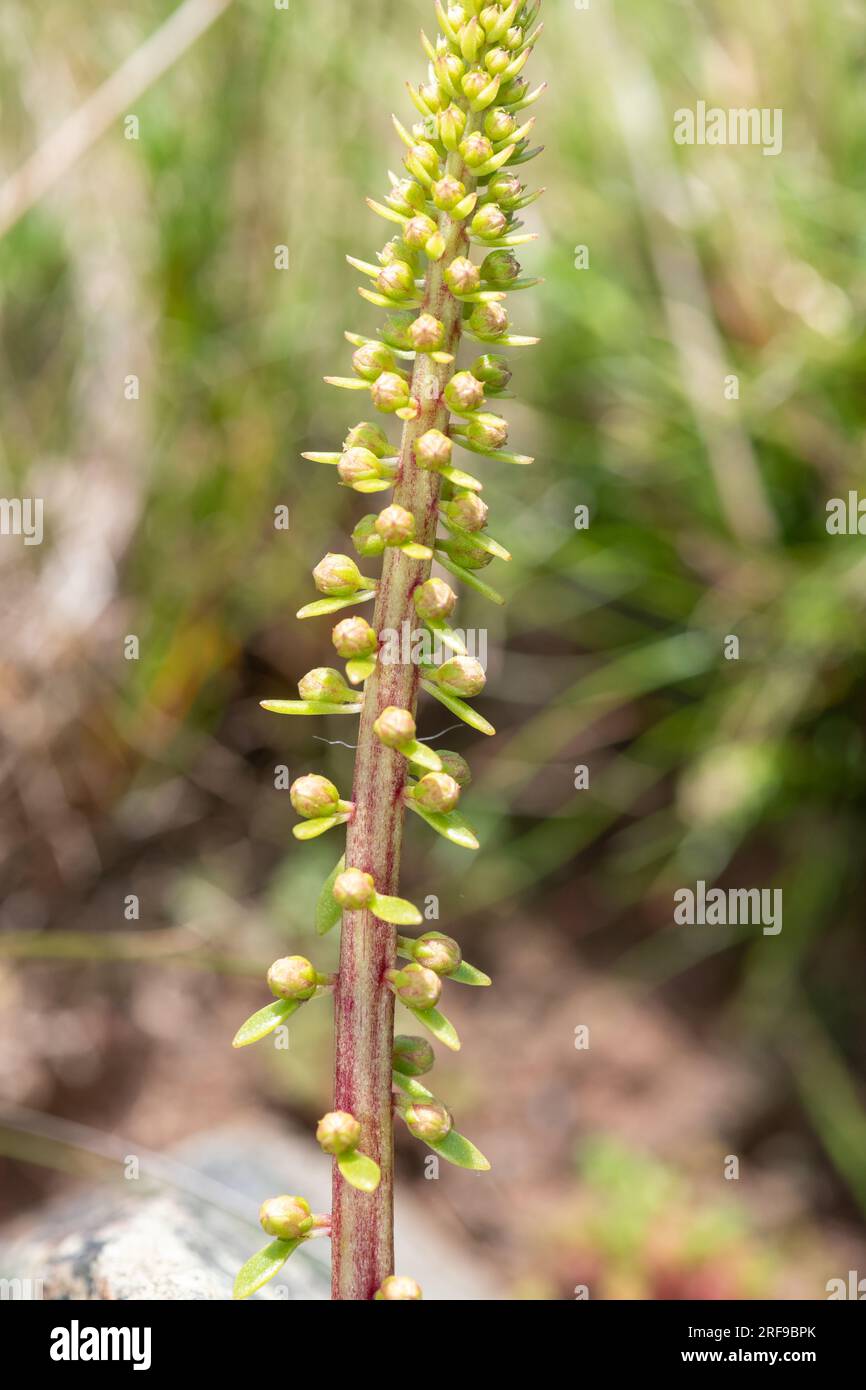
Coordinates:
[468,577]
[459,707]
[258,1025]
[416,551]
[395,910]
[412,1087]
[359,1170]
[348,383]
[447,637]
[442,1030]
[359,668]
[422,756]
[328,910]
[449,824]
[320,606]
[263,1266]
[460,1151]
[317,825]
[322,457]
[466,974]
[309,707]
[459,478]
[371,485]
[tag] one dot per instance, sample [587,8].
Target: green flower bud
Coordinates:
[367,436]
[394,727]
[489,222]
[500,267]
[338,1132]
[474,83]
[292,977]
[462,276]
[356,465]
[434,598]
[418,231]
[365,537]
[436,791]
[415,985]
[461,675]
[423,156]
[337,575]
[286,1218]
[398,1286]
[438,953]
[471,40]
[426,334]
[488,431]
[452,66]
[396,280]
[431,96]
[513,91]
[407,197]
[467,511]
[324,683]
[451,124]
[505,188]
[447,192]
[433,449]
[395,331]
[476,149]
[412,1056]
[466,552]
[464,393]
[512,38]
[395,525]
[497,60]
[493,370]
[490,17]
[455,766]
[354,637]
[372,358]
[499,124]
[489,320]
[354,890]
[313,795]
[428,1120]
[390,392]
[396,250]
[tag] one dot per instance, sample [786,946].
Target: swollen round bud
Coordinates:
[512,38]
[426,333]
[431,96]
[395,525]
[456,767]
[497,61]
[390,392]
[395,331]
[370,359]
[491,432]
[292,977]
[492,370]
[312,795]
[500,267]
[476,149]
[466,552]
[368,437]
[396,280]
[398,1287]
[490,17]
[513,91]
[489,320]
[434,599]
[407,197]
[461,675]
[338,1132]
[436,791]
[354,637]
[337,575]
[356,465]
[324,683]
[354,890]
[412,1056]
[425,155]
[428,1120]
[418,231]
[499,124]
[416,985]
[462,276]
[286,1218]
[467,511]
[474,84]
[447,192]
[438,953]
[451,125]
[464,393]
[489,222]
[505,189]
[394,727]
[365,537]
[433,449]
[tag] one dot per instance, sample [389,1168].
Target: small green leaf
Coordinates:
[322,457]
[359,1170]
[466,974]
[439,1026]
[450,824]
[412,1087]
[396,910]
[469,577]
[262,1266]
[448,638]
[328,911]
[320,606]
[421,755]
[258,1025]
[309,707]
[416,551]
[317,825]
[459,478]
[458,1150]
[359,668]
[478,538]
[371,485]
[459,707]
[348,383]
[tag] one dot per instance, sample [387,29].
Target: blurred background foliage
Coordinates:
[155,776]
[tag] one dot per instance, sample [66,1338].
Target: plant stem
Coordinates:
[363,1224]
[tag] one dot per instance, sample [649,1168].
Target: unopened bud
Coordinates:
[476,149]
[505,189]
[497,60]
[354,890]
[422,159]
[428,1120]
[489,222]
[394,727]
[434,598]
[492,370]
[370,359]
[489,431]
[354,637]
[436,791]
[456,767]
[324,683]
[451,125]
[475,84]
[338,1132]
[390,392]
[513,91]
[412,1056]
[490,17]
[292,977]
[471,40]
[286,1218]
[365,537]
[464,393]
[466,552]
[462,276]
[395,331]
[447,192]
[512,38]
[488,320]
[368,437]
[415,985]
[461,675]
[398,1287]
[313,795]
[407,197]
[418,231]
[500,267]
[438,953]
[467,511]
[396,280]
[356,465]
[499,124]
[426,333]
[433,449]
[395,525]
[431,96]
[337,575]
